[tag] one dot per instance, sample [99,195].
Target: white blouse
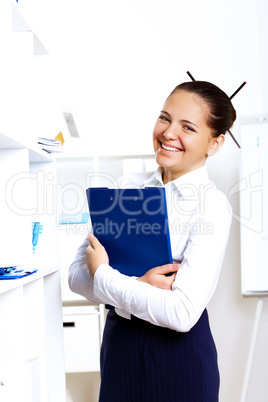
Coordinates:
[199,223]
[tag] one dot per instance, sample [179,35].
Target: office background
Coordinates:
[110,65]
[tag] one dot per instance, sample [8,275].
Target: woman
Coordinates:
[157,345]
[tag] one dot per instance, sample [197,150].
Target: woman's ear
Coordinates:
[215,144]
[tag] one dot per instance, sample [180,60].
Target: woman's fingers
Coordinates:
[159,277]
[167,268]
[93,241]
[95,255]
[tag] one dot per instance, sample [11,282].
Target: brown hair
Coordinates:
[221,114]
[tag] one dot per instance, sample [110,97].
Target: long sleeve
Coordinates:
[199,229]
[195,282]
[79,278]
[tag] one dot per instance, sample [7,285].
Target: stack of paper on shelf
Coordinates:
[50,145]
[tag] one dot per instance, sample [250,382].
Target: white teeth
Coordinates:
[170,148]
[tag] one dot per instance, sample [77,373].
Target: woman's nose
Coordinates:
[171,133]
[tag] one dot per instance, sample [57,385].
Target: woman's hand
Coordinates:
[95,255]
[157,276]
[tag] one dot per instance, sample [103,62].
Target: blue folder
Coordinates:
[132,225]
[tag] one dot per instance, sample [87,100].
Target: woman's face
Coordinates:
[182,138]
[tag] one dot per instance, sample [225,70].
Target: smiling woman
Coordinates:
[191,127]
[157,344]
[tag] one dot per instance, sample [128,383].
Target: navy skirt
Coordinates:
[141,362]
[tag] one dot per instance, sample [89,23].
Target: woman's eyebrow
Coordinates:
[163,111]
[189,122]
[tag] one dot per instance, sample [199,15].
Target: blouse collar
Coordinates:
[184,184]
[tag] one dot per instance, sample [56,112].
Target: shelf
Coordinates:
[36,154]
[6,142]
[33,367]
[32,353]
[11,284]
[24,18]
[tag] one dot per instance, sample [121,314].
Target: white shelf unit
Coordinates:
[31,335]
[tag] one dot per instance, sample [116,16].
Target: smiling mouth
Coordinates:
[170,148]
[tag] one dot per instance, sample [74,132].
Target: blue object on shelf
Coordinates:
[6,270]
[37,229]
[18,271]
[14,272]
[65,219]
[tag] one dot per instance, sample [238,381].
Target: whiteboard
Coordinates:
[253,215]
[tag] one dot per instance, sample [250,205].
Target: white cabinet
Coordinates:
[82,338]
[31,334]
[31,356]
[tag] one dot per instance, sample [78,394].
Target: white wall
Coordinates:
[263,12]
[114,62]
[129,56]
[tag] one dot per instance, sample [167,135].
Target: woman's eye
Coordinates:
[188,128]
[162,117]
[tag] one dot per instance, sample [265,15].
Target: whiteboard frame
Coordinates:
[246,290]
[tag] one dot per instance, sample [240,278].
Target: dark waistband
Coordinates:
[109,307]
